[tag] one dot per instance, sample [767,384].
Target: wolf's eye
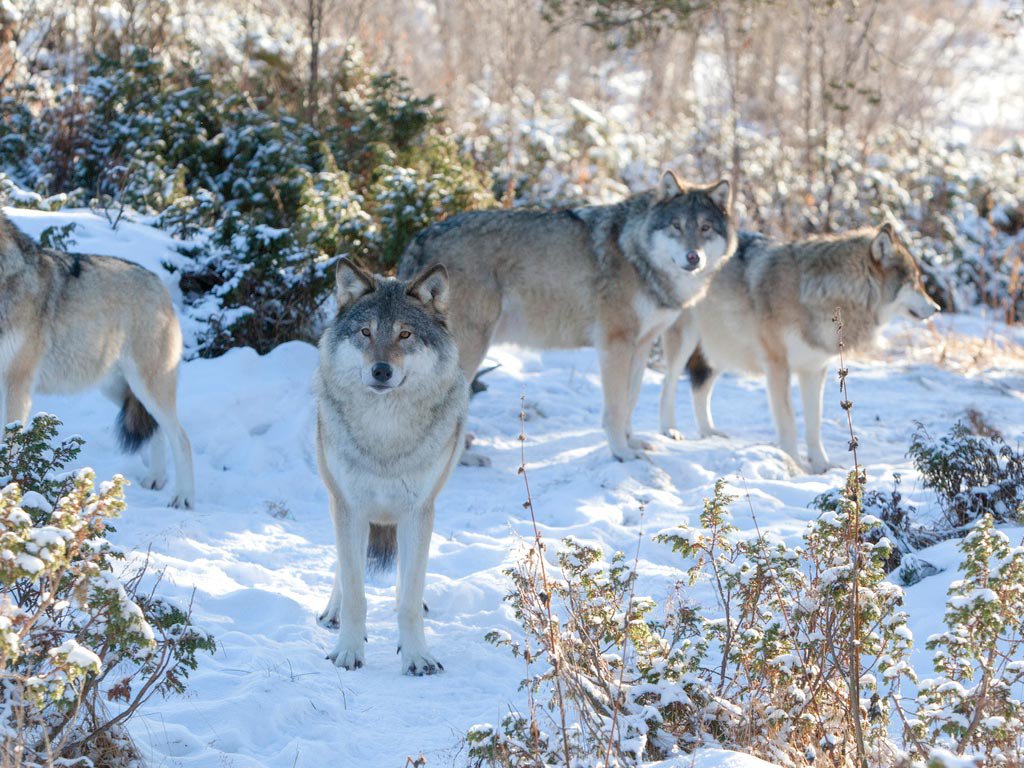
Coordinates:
[404,335]
[678,225]
[365,331]
[705,228]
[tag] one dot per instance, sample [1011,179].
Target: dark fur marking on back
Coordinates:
[745,241]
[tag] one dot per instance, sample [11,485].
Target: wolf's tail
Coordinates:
[383,544]
[698,369]
[135,425]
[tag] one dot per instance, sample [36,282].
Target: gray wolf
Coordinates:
[391,418]
[69,322]
[769,310]
[609,276]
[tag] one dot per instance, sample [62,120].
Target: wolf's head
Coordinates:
[391,334]
[902,288]
[689,227]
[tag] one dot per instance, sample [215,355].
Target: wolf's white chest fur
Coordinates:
[384,458]
[802,355]
[653,318]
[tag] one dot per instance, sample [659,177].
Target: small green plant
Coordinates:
[973,707]
[60,237]
[896,522]
[972,474]
[82,645]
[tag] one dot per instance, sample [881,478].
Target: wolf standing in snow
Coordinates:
[769,310]
[69,322]
[391,417]
[609,276]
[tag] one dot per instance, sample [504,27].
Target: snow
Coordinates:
[255,558]
[77,654]
[713,757]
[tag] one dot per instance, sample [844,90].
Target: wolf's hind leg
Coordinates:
[702,384]
[116,389]
[158,395]
[677,344]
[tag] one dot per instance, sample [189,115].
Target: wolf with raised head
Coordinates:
[770,311]
[609,276]
[391,419]
[69,322]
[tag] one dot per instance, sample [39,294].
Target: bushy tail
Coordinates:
[697,368]
[383,545]
[135,425]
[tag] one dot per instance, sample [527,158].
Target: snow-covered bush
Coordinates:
[768,671]
[594,654]
[768,667]
[268,192]
[896,522]
[974,707]
[82,645]
[972,474]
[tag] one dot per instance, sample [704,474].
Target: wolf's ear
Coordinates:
[430,287]
[351,282]
[668,187]
[721,194]
[883,249]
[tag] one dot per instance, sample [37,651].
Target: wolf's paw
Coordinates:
[182,501]
[474,459]
[347,655]
[328,619]
[419,664]
[640,445]
[818,465]
[673,433]
[153,482]
[706,433]
[628,453]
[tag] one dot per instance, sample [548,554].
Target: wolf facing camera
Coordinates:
[391,418]
[609,276]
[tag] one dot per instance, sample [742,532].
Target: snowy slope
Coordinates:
[258,552]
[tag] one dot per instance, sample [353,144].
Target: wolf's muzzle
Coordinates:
[692,261]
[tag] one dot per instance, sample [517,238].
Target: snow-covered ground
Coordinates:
[258,551]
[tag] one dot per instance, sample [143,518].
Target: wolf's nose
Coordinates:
[381,372]
[693,258]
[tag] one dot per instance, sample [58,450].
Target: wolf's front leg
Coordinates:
[812,385]
[616,358]
[777,381]
[331,617]
[20,377]
[414,532]
[352,531]
[637,366]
